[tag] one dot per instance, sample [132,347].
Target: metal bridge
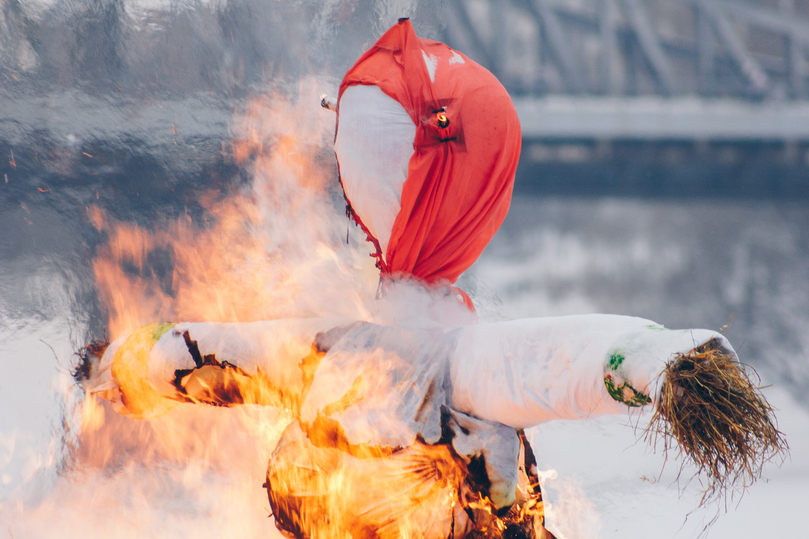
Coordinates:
[708,70]
[657,97]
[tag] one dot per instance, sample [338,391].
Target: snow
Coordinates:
[611,478]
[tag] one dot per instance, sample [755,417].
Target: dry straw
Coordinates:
[711,409]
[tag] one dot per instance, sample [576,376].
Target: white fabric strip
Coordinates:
[374,144]
[525,372]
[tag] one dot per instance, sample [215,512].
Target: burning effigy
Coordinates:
[415,428]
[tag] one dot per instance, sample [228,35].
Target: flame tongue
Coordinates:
[325,492]
[424,491]
[130,367]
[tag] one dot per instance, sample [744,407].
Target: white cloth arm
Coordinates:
[525,372]
[139,373]
[518,373]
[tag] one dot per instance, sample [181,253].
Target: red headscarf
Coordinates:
[466,148]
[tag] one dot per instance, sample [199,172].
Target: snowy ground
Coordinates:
[609,485]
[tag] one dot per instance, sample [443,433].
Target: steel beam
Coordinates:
[555,40]
[705,52]
[796,66]
[498,13]
[467,32]
[765,18]
[658,118]
[749,67]
[647,38]
[609,61]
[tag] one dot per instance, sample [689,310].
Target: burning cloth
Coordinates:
[400,431]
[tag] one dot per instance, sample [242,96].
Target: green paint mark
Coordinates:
[625,393]
[615,361]
[160,329]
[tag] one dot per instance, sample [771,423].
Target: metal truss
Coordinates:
[740,49]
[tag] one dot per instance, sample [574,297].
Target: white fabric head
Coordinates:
[374,144]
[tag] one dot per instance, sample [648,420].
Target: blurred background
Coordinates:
[664,174]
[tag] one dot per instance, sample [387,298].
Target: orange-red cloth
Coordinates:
[460,177]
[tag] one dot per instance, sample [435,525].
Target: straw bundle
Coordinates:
[711,408]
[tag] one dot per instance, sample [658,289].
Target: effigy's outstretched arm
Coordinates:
[525,372]
[519,373]
[158,366]
[706,404]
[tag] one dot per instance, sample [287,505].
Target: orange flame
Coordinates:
[271,250]
[251,257]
